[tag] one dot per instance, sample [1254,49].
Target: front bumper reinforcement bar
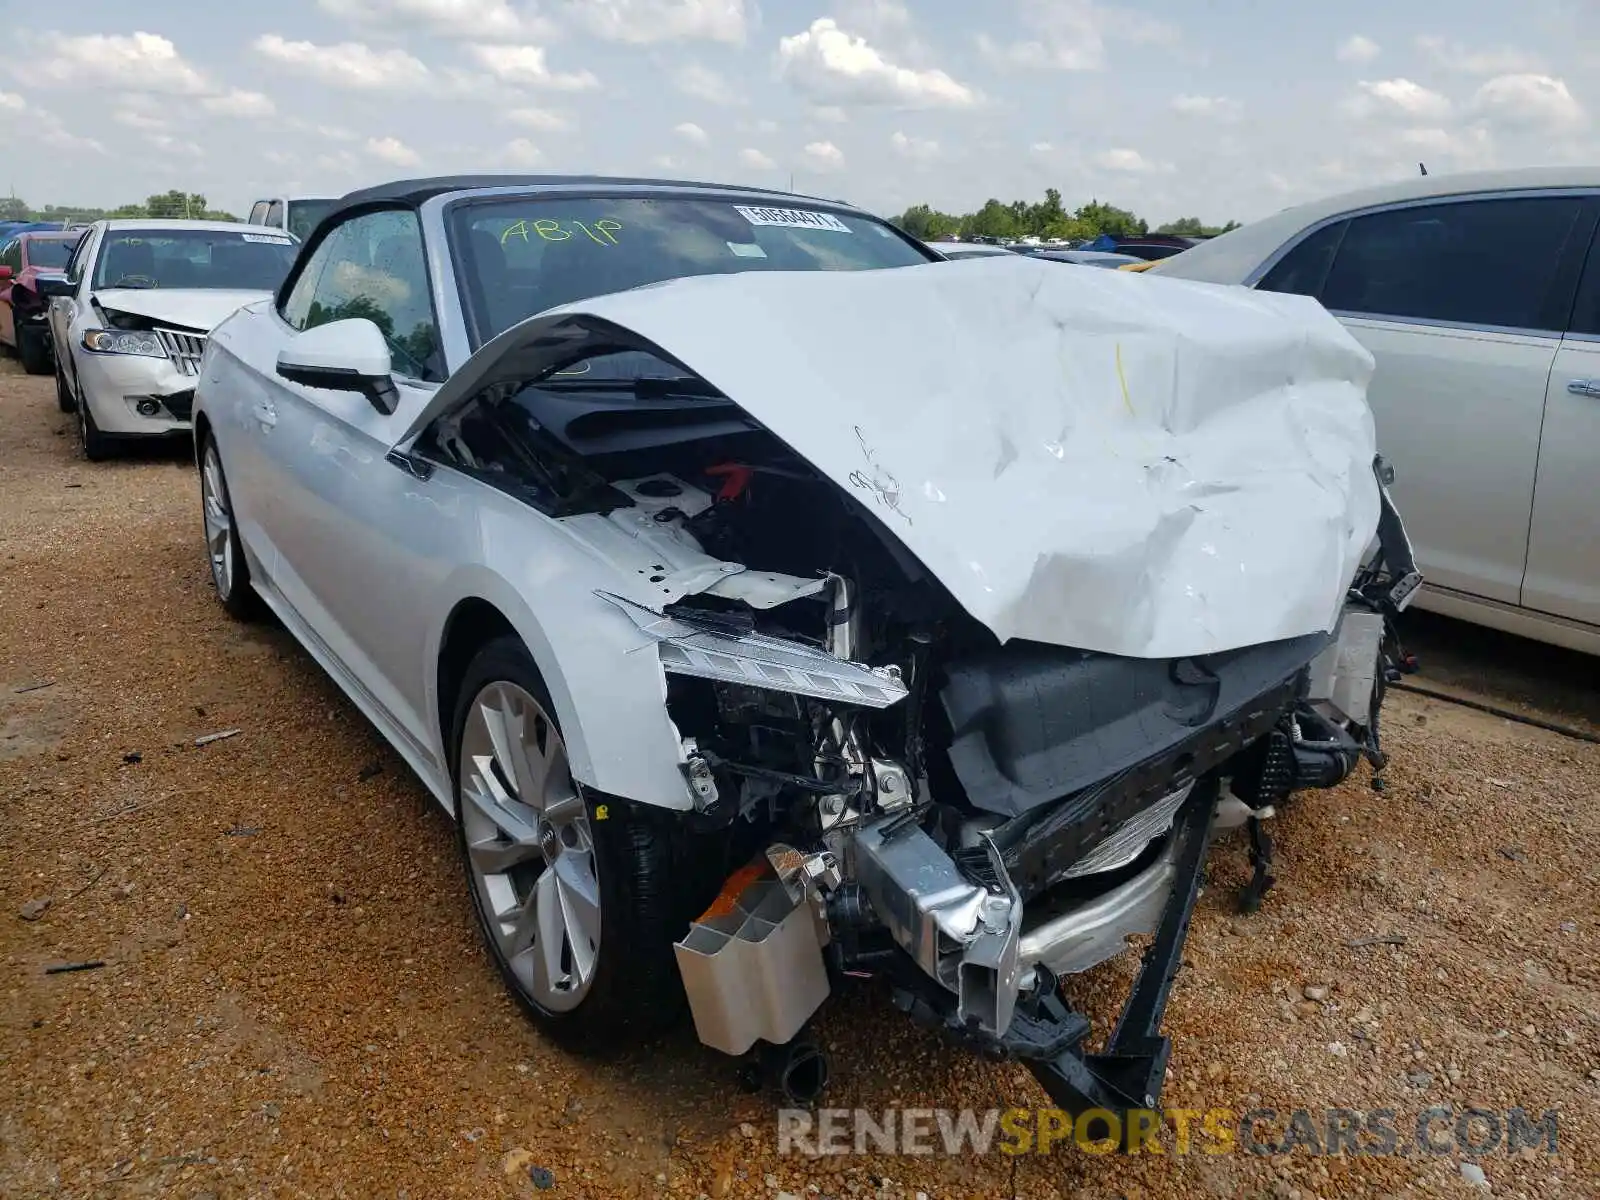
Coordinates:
[1129,1073]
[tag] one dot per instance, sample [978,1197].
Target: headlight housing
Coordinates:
[124,341]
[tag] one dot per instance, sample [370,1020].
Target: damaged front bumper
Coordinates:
[975,931]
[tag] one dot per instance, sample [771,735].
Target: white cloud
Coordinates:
[829,64]
[1534,101]
[643,21]
[140,62]
[541,119]
[1388,97]
[702,83]
[832,114]
[690,132]
[1357,49]
[1205,106]
[919,150]
[392,150]
[753,158]
[352,65]
[447,18]
[12,102]
[1498,60]
[526,65]
[168,144]
[666,162]
[134,119]
[1127,160]
[1071,35]
[239,103]
[824,156]
[520,152]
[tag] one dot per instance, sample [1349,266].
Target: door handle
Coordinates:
[1585,387]
[265,413]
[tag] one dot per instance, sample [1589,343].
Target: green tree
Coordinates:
[1183,227]
[176,204]
[12,209]
[994,219]
[926,223]
[1108,218]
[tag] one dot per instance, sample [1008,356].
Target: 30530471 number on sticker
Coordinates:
[791,218]
[602,232]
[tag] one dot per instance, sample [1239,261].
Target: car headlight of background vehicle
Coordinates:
[123,341]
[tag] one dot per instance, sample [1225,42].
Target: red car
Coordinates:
[23,260]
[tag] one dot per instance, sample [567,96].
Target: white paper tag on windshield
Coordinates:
[747,249]
[791,218]
[266,237]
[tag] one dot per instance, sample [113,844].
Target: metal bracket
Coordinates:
[1129,1073]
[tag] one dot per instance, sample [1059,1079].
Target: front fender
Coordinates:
[604,676]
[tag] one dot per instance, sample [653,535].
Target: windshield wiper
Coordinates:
[645,386]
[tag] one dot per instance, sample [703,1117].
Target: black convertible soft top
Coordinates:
[414,192]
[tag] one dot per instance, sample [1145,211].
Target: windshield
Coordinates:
[304,215]
[50,252]
[193,258]
[519,256]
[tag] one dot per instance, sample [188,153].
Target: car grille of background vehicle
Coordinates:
[184,349]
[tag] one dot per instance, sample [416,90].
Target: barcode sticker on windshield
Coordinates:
[792,218]
[267,238]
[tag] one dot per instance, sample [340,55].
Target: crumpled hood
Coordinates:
[192,308]
[1085,458]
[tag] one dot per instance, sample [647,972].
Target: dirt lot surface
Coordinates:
[293,1000]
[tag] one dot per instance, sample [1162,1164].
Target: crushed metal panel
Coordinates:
[1144,467]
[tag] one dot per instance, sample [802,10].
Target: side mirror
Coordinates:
[55,285]
[342,356]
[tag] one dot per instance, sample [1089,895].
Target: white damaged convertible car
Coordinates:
[131,317]
[772,608]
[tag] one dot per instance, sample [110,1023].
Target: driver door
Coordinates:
[10,257]
[361,543]
[65,310]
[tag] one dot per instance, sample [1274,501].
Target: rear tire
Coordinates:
[594,968]
[33,352]
[230,573]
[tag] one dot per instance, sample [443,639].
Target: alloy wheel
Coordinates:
[529,846]
[218,520]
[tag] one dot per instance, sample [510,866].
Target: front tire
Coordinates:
[97,447]
[230,573]
[576,896]
[33,352]
[65,400]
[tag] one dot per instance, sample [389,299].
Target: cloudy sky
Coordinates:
[1225,109]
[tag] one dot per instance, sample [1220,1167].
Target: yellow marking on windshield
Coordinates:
[602,232]
[1122,378]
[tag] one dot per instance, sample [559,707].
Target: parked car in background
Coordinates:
[297,214]
[1479,296]
[26,260]
[705,608]
[1090,258]
[130,318]
[954,250]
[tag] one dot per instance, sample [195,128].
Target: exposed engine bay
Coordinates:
[893,791]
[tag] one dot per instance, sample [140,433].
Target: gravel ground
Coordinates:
[293,1000]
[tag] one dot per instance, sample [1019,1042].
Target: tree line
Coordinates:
[169,204]
[1047,219]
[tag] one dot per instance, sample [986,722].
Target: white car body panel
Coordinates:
[317,500]
[1492,452]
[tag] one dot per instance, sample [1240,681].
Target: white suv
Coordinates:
[1479,296]
[298,214]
